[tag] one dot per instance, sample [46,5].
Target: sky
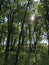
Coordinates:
[5,19]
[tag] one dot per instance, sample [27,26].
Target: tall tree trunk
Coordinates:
[11,42]
[14,42]
[22,43]
[2,30]
[35,30]
[47,28]
[3,41]
[30,39]
[47,33]
[18,50]
[35,43]
[47,24]
[8,39]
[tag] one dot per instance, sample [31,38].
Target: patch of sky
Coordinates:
[28,8]
[44,41]
[5,19]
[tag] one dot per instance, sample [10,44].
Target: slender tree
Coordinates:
[2,31]
[30,38]
[47,22]
[8,38]
[18,50]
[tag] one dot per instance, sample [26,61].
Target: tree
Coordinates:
[43,7]
[18,50]
[10,23]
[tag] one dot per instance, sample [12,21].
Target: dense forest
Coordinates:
[24,32]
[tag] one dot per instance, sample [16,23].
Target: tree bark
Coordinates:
[2,30]
[47,33]
[18,50]
[8,39]
[30,39]
[47,23]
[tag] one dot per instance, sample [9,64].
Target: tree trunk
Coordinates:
[22,44]
[3,42]
[18,50]
[8,39]
[2,30]
[47,28]
[47,23]
[30,39]
[11,42]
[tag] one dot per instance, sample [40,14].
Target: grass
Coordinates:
[26,57]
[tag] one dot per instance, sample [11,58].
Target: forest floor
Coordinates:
[26,57]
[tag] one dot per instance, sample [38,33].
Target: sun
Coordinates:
[32,17]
